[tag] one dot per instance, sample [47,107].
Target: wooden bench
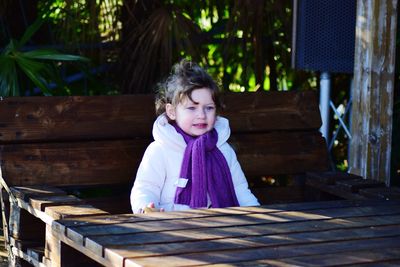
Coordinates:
[65,157]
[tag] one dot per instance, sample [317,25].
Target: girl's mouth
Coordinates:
[200,125]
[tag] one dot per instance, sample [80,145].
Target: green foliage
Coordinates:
[245,44]
[39,66]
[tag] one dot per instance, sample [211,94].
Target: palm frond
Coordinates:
[48,54]
[153,46]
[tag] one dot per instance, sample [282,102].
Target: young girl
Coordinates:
[190,164]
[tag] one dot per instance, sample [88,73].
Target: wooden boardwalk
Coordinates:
[299,234]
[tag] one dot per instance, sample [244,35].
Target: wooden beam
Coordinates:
[373,90]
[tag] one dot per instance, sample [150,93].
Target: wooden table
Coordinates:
[301,234]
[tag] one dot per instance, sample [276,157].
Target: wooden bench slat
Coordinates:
[376,257]
[294,240]
[356,184]
[260,112]
[202,213]
[283,252]
[184,235]
[26,192]
[75,117]
[387,258]
[223,221]
[40,203]
[269,153]
[66,211]
[116,161]
[79,233]
[387,193]
[27,119]
[60,164]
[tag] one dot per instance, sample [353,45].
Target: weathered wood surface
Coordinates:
[91,162]
[275,234]
[28,119]
[116,162]
[269,153]
[351,186]
[252,112]
[101,140]
[52,147]
[373,89]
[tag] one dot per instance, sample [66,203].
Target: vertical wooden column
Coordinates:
[370,147]
[52,250]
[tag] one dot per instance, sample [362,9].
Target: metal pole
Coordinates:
[324,98]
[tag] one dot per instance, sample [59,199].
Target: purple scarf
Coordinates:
[207,171]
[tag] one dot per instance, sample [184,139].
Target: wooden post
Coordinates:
[373,90]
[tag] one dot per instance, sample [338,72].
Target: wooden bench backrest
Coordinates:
[90,140]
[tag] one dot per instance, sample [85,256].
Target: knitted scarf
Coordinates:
[207,171]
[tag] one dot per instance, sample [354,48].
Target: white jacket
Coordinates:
[161,165]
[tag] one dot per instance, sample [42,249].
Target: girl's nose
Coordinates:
[201,113]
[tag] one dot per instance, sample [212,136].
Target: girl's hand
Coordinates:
[150,208]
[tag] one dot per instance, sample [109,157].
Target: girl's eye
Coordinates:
[210,108]
[191,108]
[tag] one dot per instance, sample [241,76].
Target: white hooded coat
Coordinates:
[161,164]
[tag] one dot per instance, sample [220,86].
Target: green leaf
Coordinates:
[32,70]
[48,54]
[30,31]
[8,77]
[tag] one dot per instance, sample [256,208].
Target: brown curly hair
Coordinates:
[186,76]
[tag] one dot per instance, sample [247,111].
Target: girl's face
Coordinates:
[194,117]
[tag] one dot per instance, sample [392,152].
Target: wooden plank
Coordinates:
[355,185]
[203,213]
[269,153]
[373,89]
[65,211]
[96,243]
[381,263]
[375,257]
[281,252]
[75,117]
[60,226]
[117,254]
[26,192]
[335,190]
[41,203]
[52,247]
[58,253]
[101,117]
[220,221]
[116,161]
[268,111]
[387,193]
[142,235]
[40,197]
[388,258]
[66,244]
[78,163]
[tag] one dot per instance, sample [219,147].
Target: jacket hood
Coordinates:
[165,133]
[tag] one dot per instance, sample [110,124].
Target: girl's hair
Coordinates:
[186,76]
